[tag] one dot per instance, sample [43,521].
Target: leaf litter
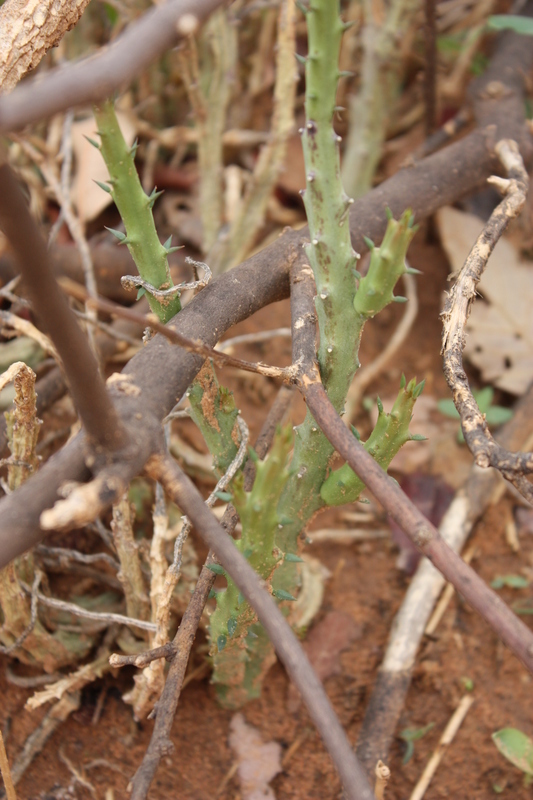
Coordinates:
[500,328]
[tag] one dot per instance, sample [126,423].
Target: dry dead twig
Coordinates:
[486,451]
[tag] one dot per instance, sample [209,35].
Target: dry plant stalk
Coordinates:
[149,683]
[208,81]
[455,722]
[513,466]
[251,211]
[130,575]
[6,771]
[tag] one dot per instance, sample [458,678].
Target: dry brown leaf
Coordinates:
[258,762]
[500,328]
[89,199]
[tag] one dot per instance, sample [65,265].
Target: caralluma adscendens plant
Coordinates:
[344,302]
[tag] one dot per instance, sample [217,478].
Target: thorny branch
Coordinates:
[487,452]
[422,533]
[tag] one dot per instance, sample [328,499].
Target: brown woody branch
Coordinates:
[92,79]
[422,533]
[486,451]
[92,401]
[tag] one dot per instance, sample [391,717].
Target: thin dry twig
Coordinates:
[455,722]
[222,359]
[99,416]
[78,611]
[61,190]
[486,451]
[141,660]
[6,771]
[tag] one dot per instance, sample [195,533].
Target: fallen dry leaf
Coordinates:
[500,329]
[258,762]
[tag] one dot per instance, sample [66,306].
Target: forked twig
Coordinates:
[487,452]
[220,358]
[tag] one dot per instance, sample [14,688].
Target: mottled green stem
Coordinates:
[334,265]
[240,648]
[135,208]
[390,433]
[251,214]
[208,69]
[213,410]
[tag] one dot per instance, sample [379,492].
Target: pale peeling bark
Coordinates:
[28,29]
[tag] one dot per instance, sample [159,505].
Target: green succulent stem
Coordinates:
[240,648]
[344,301]
[390,433]
[214,411]
[135,208]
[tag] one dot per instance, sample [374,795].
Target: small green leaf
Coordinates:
[293,557]
[300,59]
[410,735]
[226,497]
[248,552]
[511,22]
[232,626]
[399,299]
[468,683]
[281,594]
[511,581]
[216,568]
[516,747]
[498,415]
[141,292]
[448,409]
[369,243]
[253,455]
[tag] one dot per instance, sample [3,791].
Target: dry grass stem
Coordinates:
[6,771]
[456,720]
